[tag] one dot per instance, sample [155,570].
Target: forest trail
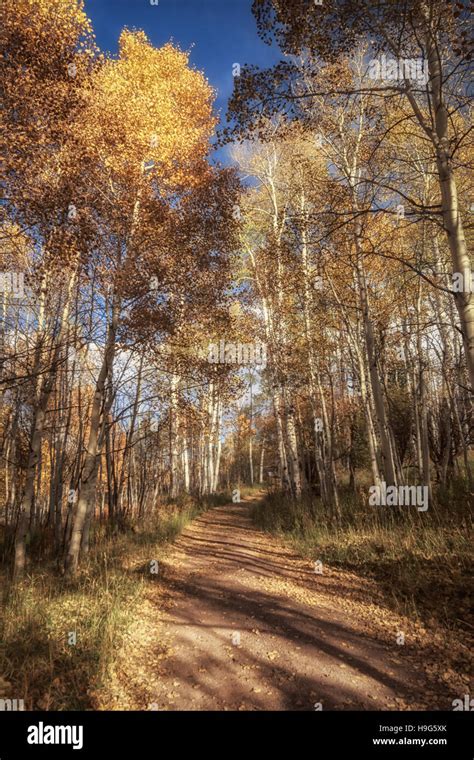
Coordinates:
[305,638]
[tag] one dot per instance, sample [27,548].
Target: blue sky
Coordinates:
[219,33]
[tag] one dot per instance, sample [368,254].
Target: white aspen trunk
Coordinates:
[210,437]
[251,459]
[262,459]
[449,200]
[186,475]
[217,445]
[251,432]
[279,410]
[204,448]
[294,460]
[422,402]
[174,470]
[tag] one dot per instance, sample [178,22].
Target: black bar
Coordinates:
[313,734]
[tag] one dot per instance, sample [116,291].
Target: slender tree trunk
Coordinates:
[262,458]
[89,473]
[45,389]
[174,459]
[450,206]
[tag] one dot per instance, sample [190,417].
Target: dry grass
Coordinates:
[421,561]
[37,661]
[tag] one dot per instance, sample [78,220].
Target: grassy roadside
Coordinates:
[422,563]
[42,618]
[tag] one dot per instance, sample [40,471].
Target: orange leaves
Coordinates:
[38,22]
[47,49]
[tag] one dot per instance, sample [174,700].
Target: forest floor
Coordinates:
[235,620]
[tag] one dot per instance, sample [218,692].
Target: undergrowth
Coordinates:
[58,636]
[421,561]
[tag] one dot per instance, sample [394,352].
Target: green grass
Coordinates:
[37,664]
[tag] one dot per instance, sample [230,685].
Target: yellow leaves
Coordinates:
[144,117]
[150,109]
[130,42]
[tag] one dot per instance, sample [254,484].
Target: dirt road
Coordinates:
[237,621]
